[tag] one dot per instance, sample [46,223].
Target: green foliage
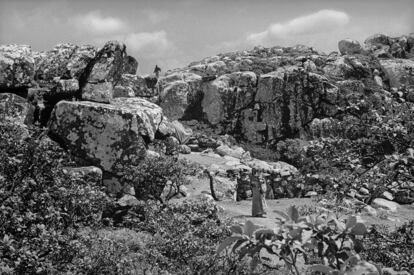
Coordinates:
[153,174]
[391,248]
[335,241]
[185,236]
[40,206]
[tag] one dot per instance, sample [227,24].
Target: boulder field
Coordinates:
[95,105]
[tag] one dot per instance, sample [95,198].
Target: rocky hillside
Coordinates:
[97,108]
[268,94]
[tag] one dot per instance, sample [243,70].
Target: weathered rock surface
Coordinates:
[131,85]
[86,174]
[268,94]
[64,61]
[16,66]
[398,72]
[181,95]
[110,136]
[349,46]
[103,73]
[16,109]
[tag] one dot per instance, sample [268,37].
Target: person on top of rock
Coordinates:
[157,71]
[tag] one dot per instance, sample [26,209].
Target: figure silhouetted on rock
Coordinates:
[157,71]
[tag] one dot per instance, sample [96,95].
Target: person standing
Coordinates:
[259,191]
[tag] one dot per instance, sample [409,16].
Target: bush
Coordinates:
[391,248]
[154,174]
[41,207]
[185,236]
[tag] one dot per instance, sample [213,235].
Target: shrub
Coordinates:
[153,174]
[185,236]
[391,248]
[41,207]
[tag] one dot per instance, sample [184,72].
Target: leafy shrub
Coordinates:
[185,235]
[153,174]
[40,206]
[335,242]
[391,248]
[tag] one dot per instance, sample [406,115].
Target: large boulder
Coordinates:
[228,95]
[64,61]
[111,136]
[80,59]
[398,71]
[16,109]
[286,101]
[16,66]
[349,46]
[130,65]
[103,73]
[131,85]
[181,95]
[53,63]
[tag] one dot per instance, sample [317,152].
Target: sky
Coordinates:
[173,33]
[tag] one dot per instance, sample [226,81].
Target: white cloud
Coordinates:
[319,22]
[94,22]
[156,42]
[149,44]
[155,16]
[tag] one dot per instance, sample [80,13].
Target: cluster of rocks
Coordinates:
[267,94]
[96,107]
[91,100]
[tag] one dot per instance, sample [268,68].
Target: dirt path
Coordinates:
[241,211]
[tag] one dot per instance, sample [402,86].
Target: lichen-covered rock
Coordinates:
[80,60]
[68,85]
[398,71]
[131,85]
[103,73]
[279,168]
[180,95]
[110,136]
[16,66]
[16,109]
[383,46]
[282,109]
[64,61]
[349,46]
[227,95]
[54,63]
[130,65]
[86,174]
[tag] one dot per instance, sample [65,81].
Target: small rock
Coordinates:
[349,46]
[184,191]
[152,154]
[184,149]
[128,200]
[194,147]
[311,194]
[370,211]
[386,204]
[364,191]
[387,195]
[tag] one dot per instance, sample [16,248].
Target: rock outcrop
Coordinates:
[269,94]
[14,108]
[104,72]
[110,136]
[17,66]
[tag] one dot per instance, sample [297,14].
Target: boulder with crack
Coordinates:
[110,136]
[103,73]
